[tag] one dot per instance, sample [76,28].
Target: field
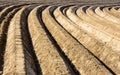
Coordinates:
[58,37]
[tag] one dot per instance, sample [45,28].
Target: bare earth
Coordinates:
[59,37]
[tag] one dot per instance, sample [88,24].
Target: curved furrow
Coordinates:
[45,49]
[6,10]
[103,36]
[2,13]
[118,9]
[56,38]
[100,30]
[3,35]
[94,46]
[91,12]
[71,14]
[18,58]
[3,32]
[9,57]
[31,61]
[90,42]
[114,12]
[98,21]
[113,31]
[78,54]
[109,28]
[3,6]
[109,16]
[64,11]
[65,7]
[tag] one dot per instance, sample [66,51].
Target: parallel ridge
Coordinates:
[58,39]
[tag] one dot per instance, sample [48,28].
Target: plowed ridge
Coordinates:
[74,39]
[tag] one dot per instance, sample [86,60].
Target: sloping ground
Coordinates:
[57,39]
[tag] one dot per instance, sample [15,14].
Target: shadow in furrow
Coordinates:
[2,7]
[72,67]
[74,10]
[68,61]
[3,38]
[65,8]
[102,7]
[86,48]
[69,64]
[116,8]
[85,8]
[27,42]
[2,17]
[93,8]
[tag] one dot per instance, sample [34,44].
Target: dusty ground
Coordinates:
[59,37]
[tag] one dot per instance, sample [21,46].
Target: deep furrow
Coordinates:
[48,54]
[32,66]
[9,57]
[6,10]
[2,7]
[88,41]
[111,30]
[71,46]
[79,34]
[90,11]
[3,35]
[79,24]
[68,62]
[110,17]
[18,58]
[93,27]
[113,43]
[107,16]
[84,26]
[59,38]
[115,12]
